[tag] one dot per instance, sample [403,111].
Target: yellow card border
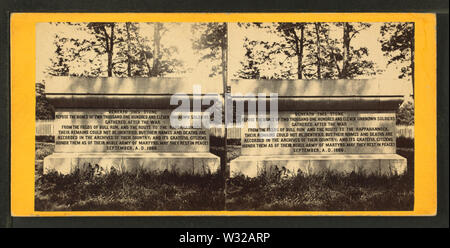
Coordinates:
[23,52]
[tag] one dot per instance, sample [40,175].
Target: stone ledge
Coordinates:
[323,87]
[182,163]
[290,165]
[327,103]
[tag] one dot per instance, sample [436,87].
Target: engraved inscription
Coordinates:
[125,131]
[324,132]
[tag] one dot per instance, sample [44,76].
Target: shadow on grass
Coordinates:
[325,192]
[167,191]
[146,191]
[329,191]
[143,191]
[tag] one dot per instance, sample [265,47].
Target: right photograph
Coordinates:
[320,116]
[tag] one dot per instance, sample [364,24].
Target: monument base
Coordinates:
[291,165]
[180,163]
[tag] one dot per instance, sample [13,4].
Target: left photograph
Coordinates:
[129,116]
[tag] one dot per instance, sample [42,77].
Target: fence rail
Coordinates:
[45,128]
[232,133]
[405,131]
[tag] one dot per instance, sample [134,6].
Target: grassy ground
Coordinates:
[166,191]
[142,191]
[146,192]
[326,192]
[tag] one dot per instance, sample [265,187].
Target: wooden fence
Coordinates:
[405,131]
[232,133]
[45,128]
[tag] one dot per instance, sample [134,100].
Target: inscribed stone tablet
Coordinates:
[116,130]
[324,132]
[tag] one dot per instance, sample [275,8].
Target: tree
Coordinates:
[44,110]
[133,54]
[405,114]
[316,54]
[117,49]
[158,28]
[397,42]
[212,43]
[74,57]
[257,60]
[129,48]
[317,30]
[104,33]
[293,46]
[353,62]
[158,59]
[60,65]
[348,61]
[294,34]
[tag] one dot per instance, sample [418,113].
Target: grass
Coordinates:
[166,191]
[132,192]
[144,191]
[329,191]
[325,192]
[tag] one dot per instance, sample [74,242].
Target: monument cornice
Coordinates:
[321,88]
[112,101]
[323,103]
[130,86]
[138,92]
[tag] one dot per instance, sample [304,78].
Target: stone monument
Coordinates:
[123,124]
[323,125]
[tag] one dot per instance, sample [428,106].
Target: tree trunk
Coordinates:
[333,57]
[346,50]
[110,50]
[142,47]
[302,41]
[299,45]
[127,25]
[317,27]
[224,49]
[224,64]
[156,48]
